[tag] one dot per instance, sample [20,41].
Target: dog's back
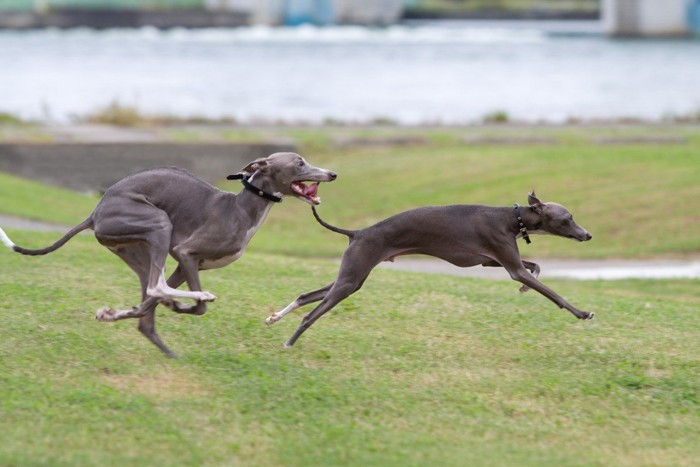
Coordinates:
[427,224]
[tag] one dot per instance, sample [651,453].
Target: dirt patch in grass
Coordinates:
[171,384]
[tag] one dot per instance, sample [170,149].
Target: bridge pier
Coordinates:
[651,18]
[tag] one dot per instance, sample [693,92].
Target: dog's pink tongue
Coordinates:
[312,189]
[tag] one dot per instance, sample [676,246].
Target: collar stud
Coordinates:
[521,225]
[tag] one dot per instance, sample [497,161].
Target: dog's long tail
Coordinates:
[348,233]
[86,224]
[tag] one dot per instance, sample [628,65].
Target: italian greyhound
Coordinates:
[158,211]
[464,235]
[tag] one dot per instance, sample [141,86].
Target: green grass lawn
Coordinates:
[635,198]
[412,370]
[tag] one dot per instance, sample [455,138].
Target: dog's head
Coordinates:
[287,173]
[555,219]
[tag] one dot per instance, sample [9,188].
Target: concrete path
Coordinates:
[27,224]
[608,269]
[93,133]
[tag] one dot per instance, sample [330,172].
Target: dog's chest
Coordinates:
[228,259]
[220,262]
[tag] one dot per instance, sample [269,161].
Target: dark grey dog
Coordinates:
[464,235]
[151,213]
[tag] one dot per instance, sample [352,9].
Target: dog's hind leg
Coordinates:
[339,292]
[137,261]
[303,299]
[136,256]
[147,327]
[354,270]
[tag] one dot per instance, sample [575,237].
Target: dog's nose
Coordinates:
[588,236]
[333,175]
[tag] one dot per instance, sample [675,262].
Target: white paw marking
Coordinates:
[105,314]
[205,297]
[272,319]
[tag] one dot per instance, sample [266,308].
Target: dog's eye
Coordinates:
[301,163]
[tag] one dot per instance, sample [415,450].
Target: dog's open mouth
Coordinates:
[308,193]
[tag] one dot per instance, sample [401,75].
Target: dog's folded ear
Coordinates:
[250,169]
[534,201]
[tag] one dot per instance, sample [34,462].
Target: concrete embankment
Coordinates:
[103,18]
[96,166]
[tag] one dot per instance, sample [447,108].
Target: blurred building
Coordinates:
[319,12]
[195,13]
[651,17]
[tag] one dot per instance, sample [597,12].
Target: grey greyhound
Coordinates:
[158,211]
[464,235]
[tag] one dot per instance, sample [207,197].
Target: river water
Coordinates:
[413,73]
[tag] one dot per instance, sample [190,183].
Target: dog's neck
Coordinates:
[255,206]
[531,221]
[261,186]
[248,213]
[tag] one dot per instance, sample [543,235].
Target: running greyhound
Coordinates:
[464,235]
[158,211]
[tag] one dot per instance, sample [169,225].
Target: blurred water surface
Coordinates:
[420,72]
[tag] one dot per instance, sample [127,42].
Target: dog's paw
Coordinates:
[272,319]
[105,313]
[586,315]
[524,289]
[205,297]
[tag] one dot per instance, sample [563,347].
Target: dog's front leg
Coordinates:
[175,280]
[516,268]
[534,269]
[527,279]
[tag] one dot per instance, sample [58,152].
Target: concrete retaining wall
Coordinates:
[110,18]
[95,167]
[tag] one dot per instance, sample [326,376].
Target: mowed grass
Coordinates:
[636,197]
[633,198]
[412,370]
[30,199]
